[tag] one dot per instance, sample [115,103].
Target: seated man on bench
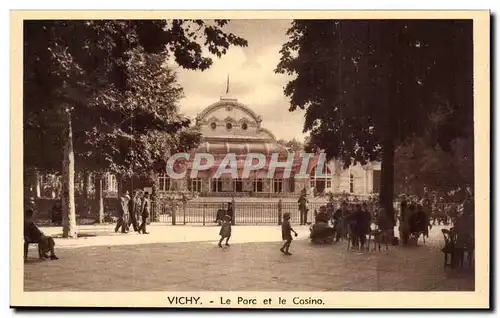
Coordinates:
[32,234]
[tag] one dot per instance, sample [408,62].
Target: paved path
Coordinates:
[184,258]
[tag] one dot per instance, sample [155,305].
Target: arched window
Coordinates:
[326,173]
[110,183]
[320,181]
[163,183]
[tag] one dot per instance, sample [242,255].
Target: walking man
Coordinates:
[134,209]
[123,214]
[146,205]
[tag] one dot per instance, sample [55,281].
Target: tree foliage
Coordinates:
[98,91]
[368,86]
[420,163]
[420,166]
[149,125]
[360,81]
[111,75]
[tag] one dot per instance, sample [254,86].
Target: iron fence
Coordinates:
[203,212]
[262,212]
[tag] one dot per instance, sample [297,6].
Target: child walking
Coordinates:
[286,234]
[225,230]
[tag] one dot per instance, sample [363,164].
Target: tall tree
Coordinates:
[76,80]
[367,86]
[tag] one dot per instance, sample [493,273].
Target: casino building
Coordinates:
[229,126]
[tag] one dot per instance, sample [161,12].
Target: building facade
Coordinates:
[229,126]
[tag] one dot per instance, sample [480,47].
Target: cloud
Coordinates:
[251,78]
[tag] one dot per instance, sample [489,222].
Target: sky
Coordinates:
[251,78]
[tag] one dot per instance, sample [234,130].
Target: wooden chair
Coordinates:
[472,251]
[467,248]
[27,242]
[471,255]
[449,248]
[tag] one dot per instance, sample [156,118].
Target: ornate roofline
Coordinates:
[235,139]
[267,131]
[228,102]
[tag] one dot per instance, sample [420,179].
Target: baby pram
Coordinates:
[321,232]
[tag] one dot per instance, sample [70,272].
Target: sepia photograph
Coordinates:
[217,158]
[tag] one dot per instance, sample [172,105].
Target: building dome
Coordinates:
[229,119]
[229,126]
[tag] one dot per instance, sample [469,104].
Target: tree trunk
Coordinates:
[68,182]
[386,195]
[391,129]
[131,186]
[38,186]
[99,200]
[86,192]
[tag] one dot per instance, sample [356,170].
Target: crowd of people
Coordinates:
[415,216]
[351,220]
[133,212]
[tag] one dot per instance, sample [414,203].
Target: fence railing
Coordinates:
[262,212]
[202,212]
